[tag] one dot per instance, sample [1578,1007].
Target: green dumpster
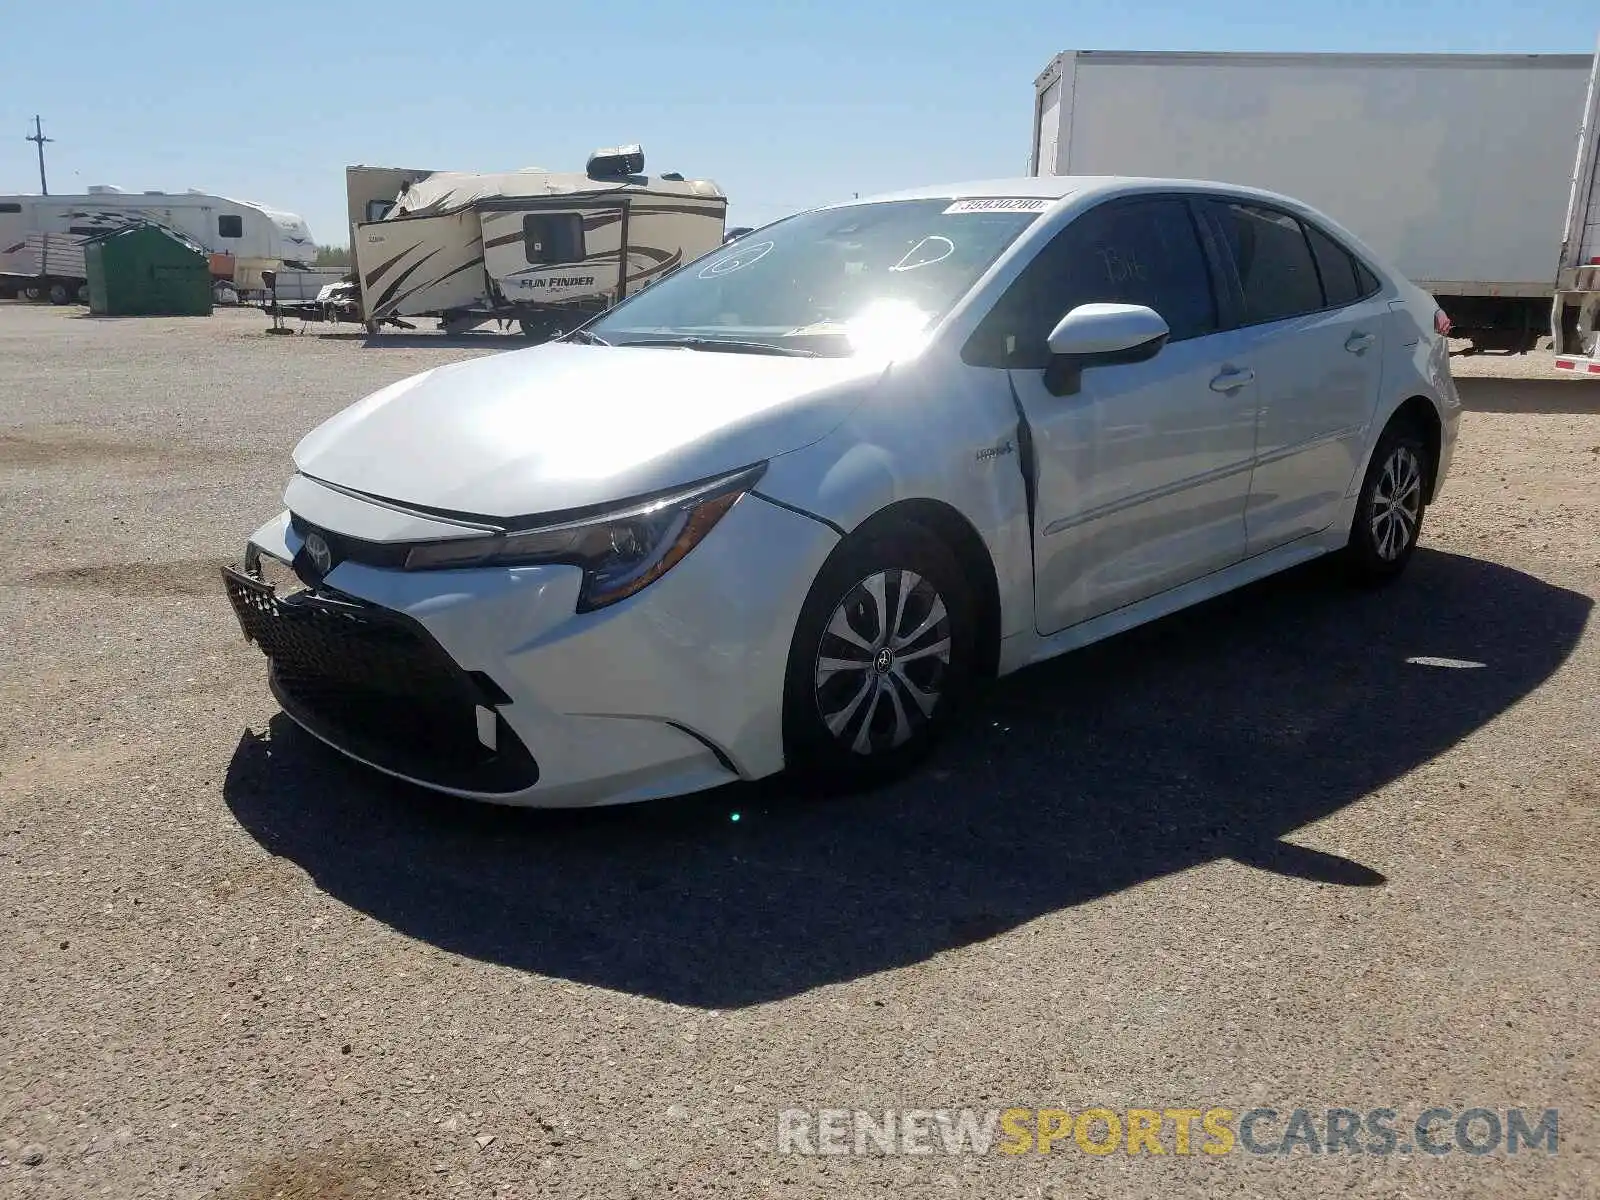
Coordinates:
[147,271]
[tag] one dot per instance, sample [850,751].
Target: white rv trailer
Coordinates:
[546,249]
[256,237]
[1456,167]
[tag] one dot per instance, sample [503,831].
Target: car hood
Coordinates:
[564,426]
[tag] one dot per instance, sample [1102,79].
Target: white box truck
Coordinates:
[1458,168]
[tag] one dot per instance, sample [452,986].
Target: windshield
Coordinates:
[833,282]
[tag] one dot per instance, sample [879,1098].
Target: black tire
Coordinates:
[1393,501]
[60,293]
[878,739]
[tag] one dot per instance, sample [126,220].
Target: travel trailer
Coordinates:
[247,237]
[542,248]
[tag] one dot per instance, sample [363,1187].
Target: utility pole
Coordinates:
[38,138]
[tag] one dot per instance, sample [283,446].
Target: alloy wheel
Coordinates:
[880,666]
[1396,504]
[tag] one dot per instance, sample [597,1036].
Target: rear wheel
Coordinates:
[60,293]
[882,656]
[1389,512]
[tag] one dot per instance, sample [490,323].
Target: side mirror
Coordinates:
[1101,335]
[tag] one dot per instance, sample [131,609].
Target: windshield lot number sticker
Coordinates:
[998,204]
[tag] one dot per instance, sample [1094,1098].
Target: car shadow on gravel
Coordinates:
[1209,735]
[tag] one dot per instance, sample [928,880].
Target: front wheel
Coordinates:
[1389,512]
[882,656]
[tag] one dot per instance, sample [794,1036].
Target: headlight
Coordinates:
[620,552]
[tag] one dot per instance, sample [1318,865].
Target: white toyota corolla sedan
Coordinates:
[788,505]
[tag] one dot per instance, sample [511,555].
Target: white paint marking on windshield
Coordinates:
[925,253]
[740,258]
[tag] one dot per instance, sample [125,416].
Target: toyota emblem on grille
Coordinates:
[318,551]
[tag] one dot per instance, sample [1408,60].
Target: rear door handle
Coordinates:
[1357,342]
[1231,380]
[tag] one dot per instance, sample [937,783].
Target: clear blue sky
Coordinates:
[784,105]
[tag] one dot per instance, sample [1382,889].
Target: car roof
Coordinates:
[1060,187]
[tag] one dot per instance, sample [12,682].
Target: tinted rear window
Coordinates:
[1274,262]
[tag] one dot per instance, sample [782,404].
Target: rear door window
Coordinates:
[1273,258]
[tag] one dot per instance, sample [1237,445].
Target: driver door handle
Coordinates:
[1232,380]
[1357,342]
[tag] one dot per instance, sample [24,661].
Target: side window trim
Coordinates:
[1316,264]
[1227,291]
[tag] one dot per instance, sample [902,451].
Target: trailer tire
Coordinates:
[60,293]
[83,293]
[31,292]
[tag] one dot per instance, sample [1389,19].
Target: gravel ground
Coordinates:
[1251,856]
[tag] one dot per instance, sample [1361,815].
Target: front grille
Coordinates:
[391,555]
[374,683]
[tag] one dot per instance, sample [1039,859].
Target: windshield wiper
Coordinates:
[725,345]
[584,336]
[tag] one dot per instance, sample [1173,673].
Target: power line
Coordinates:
[38,138]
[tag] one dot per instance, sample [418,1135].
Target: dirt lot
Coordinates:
[1252,856]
